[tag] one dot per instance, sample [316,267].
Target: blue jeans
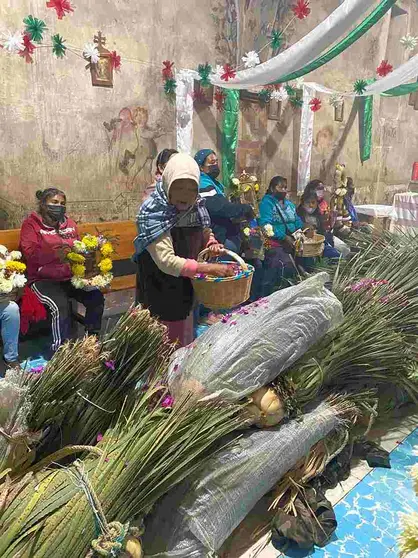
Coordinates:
[10,325]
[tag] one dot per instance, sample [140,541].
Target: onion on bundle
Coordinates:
[266,408]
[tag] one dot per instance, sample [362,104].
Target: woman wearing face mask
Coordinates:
[225,215]
[162,160]
[173,227]
[279,212]
[45,237]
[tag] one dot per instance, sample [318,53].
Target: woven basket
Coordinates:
[219,293]
[313,247]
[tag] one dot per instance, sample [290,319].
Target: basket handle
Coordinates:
[238,259]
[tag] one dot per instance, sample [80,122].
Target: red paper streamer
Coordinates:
[219,97]
[28,50]
[229,72]
[315,104]
[199,96]
[384,69]
[301,9]
[115,59]
[62,7]
[168,69]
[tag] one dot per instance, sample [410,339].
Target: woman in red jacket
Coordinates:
[45,237]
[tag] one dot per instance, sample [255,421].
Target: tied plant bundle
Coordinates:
[86,509]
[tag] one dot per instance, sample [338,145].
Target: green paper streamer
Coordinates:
[351,38]
[405,89]
[230,135]
[365,127]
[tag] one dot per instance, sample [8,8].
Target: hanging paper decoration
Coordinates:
[301,9]
[251,59]
[115,58]
[289,90]
[315,104]
[13,43]
[168,72]
[219,97]
[28,49]
[298,83]
[228,72]
[335,99]
[217,73]
[199,96]
[62,7]
[276,40]
[409,42]
[35,28]
[296,102]
[360,86]
[204,71]
[230,129]
[384,69]
[91,53]
[58,47]
[170,86]
[265,96]
[280,95]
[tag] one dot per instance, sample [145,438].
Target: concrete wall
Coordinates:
[56,129]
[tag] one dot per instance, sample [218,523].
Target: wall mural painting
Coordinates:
[132,146]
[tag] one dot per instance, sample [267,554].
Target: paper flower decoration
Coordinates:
[35,28]
[276,39]
[219,97]
[335,99]
[58,47]
[228,72]
[251,59]
[295,102]
[170,86]
[204,71]
[298,83]
[289,90]
[360,86]
[28,49]
[384,69]
[13,43]
[264,96]
[279,95]
[409,42]
[115,59]
[168,69]
[199,96]
[315,104]
[62,7]
[301,9]
[217,72]
[91,53]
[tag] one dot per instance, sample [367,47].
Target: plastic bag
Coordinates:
[253,346]
[195,519]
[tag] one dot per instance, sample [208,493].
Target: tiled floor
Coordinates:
[367,505]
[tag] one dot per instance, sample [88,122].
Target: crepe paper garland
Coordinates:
[301,9]
[115,60]
[204,71]
[228,72]
[35,28]
[62,7]
[28,49]
[315,104]
[58,47]
[384,69]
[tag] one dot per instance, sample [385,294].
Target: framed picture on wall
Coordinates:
[275,109]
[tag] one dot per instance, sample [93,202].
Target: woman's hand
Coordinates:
[216,250]
[216,270]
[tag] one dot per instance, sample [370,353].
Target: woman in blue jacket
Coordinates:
[279,212]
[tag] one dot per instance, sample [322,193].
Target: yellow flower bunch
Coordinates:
[78,270]
[105,265]
[15,267]
[90,242]
[76,258]
[107,249]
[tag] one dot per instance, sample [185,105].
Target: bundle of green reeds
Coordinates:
[69,511]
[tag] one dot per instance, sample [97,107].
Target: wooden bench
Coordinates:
[125,231]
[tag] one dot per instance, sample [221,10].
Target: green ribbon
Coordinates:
[365,127]
[337,49]
[401,90]
[230,135]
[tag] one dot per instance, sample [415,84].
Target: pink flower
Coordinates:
[38,369]
[99,438]
[110,364]
[167,402]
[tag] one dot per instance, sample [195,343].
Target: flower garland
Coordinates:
[91,246]
[11,271]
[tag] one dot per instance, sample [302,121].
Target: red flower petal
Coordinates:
[301,9]
[229,73]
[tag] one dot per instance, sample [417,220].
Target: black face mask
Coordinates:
[213,171]
[281,196]
[55,212]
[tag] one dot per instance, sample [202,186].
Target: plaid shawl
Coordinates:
[157,216]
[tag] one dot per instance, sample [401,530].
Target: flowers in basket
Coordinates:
[91,262]
[12,272]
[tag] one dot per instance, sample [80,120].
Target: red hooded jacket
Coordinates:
[42,245]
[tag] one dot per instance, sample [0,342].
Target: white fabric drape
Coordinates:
[304,51]
[306,139]
[184,110]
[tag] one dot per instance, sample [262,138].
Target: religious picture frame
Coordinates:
[275,109]
[102,71]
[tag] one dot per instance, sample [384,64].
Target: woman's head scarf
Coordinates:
[157,216]
[202,155]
